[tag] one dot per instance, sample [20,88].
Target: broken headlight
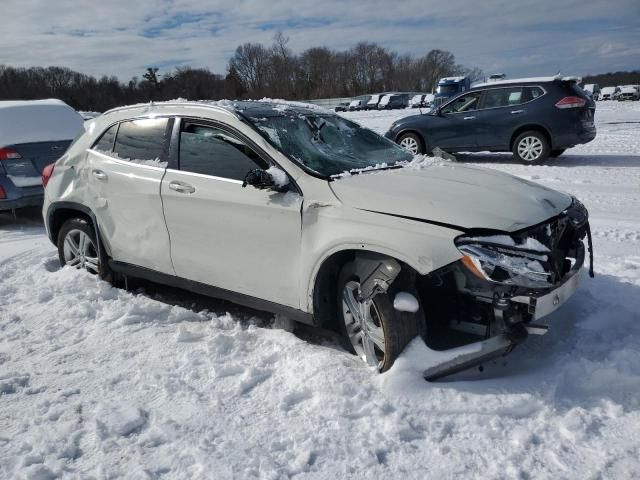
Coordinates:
[499,258]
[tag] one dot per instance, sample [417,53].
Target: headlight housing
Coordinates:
[498,258]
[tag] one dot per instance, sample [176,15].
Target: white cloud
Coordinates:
[526,37]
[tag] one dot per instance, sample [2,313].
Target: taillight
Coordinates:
[3,195]
[46,173]
[571,102]
[9,154]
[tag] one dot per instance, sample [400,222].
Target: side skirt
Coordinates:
[211,291]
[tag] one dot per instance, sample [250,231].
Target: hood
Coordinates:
[456,195]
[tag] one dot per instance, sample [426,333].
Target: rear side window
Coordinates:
[502,97]
[531,93]
[212,151]
[142,139]
[105,144]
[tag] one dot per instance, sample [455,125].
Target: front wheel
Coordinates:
[412,143]
[77,246]
[531,148]
[373,329]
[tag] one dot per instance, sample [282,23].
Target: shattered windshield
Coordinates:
[329,144]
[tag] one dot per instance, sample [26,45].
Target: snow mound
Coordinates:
[405,302]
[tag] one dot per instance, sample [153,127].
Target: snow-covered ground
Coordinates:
[97,382]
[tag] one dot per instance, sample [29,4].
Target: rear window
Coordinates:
[142,139]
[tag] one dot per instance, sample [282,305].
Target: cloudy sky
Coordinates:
[122,37]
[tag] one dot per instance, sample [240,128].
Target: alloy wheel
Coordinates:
[530,148]
[363,325]
[80,252]
[410,145]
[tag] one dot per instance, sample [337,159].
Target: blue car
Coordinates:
[534,118]
[33,134]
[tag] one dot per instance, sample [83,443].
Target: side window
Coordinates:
[531,93]
[212,151]
[105,144]
[141,140]
[465,103]
[502,97]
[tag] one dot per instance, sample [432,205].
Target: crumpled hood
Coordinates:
[463,196]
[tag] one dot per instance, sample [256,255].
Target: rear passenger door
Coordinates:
[239,239]
[501,112]
[125,168]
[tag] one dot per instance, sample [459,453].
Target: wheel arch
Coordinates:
[59,212]
[321,292]
[531,126]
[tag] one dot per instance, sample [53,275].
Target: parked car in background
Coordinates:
[372,103]
[33,133]
[381,253]
[416,101]
[629,92]
[342,107]
[394,101]
[535,118]
[423,100]
[593,89]
[609,93]
[450,87]
[359,103]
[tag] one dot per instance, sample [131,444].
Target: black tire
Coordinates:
[399,327]
[74,228]
[413,139]
[557,153]
[534,139]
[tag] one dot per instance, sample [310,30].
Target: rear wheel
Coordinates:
[373,329]
[531,147]
[557,153]
[412,143]
[77,246]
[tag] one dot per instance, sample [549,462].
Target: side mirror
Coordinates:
[262,180]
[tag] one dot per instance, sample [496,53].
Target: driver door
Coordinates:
[240,239]
[458,125]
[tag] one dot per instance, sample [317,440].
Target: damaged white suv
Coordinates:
[294,210]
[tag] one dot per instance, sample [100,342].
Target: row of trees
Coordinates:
[320,72]
[254,71]
[614,79]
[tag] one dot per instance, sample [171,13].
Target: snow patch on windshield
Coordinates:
[279,177]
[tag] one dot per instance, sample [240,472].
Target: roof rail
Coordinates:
[185,103]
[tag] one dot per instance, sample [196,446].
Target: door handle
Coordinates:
[182,187]
[468,118]
[517,111]
[99,174]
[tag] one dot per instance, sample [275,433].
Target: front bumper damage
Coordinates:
[474,320]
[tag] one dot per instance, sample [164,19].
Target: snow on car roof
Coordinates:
[628,89]
[29,121]
[511,81]
[263,108]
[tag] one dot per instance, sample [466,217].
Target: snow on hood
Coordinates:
[464,196]
[37,121]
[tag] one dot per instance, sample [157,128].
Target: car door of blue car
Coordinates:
[457,124]
[501,111]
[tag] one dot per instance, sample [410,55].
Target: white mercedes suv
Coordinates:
[294,210]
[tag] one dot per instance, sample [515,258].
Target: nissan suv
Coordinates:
[294,210]
[534,118]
